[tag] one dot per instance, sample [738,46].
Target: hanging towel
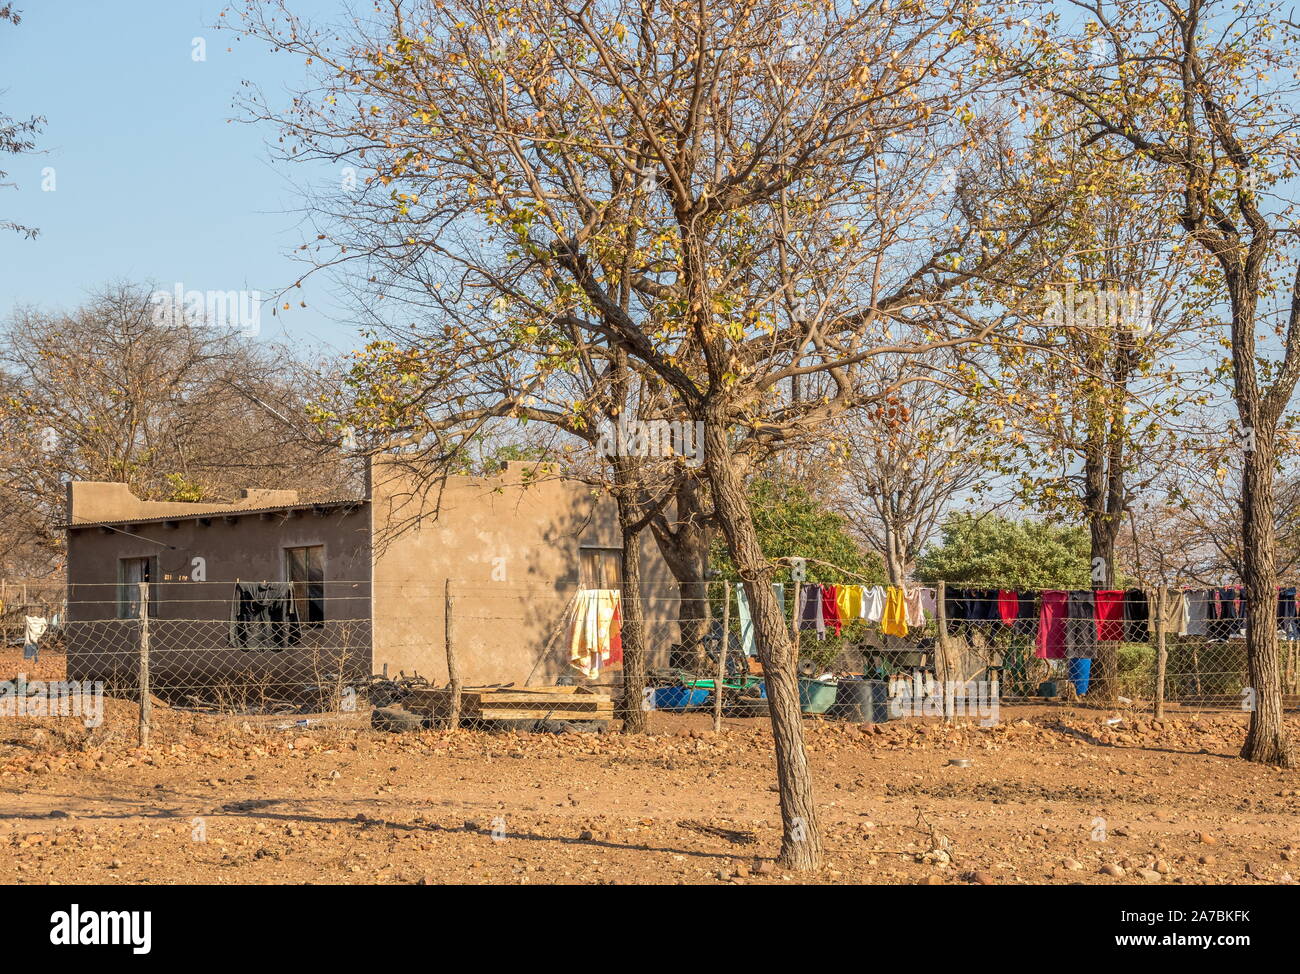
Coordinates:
[1110,615]
[894,622]
[873,604]
[831,609]
[595,630]
[914,602]
[1176,614]
[1008,606]
[1051,626]
[927,602]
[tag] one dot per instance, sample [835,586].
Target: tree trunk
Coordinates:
[684,545]
[1266,739]
[801,844]
[1103,528]
[631,710]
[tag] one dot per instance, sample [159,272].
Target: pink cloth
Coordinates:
[1110,615]
[1051,626]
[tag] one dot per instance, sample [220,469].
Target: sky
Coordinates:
[151,181]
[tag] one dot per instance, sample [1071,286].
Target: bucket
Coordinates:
[862,701]
[1080,673]
[1047,688]
[816,696]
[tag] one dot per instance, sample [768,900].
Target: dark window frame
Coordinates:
[308,592]
[600,567]
[128,595]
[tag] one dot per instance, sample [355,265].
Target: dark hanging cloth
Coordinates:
[1228,613]
[812,606]
[263,616]
[982,606]
[1027,620]
[1081,625]
[1287,619]
[954,604]
[1137,616]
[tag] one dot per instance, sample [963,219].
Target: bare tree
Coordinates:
[179,410]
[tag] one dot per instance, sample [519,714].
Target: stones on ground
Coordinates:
[982,878]
[1207,839]
[1112,869]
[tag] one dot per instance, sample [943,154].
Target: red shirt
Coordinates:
[1110,615]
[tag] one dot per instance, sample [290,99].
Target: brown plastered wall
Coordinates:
[190,627]
[510,546]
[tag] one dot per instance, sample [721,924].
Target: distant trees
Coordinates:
[178,410]
[791,524]
[989,550]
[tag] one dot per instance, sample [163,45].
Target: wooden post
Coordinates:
[146,697]
[722,657]
[1162,656]
[453,670]
[941,646]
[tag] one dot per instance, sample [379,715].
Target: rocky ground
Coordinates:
[1050,796]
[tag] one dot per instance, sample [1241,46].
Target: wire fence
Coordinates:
[409,655]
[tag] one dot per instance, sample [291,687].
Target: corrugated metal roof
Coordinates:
[227,512]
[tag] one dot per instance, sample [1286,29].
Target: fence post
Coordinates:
[146,699]
[1162,656]
[941,646]
[453,670]
[722,657]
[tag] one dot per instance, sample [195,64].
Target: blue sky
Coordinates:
[152,182]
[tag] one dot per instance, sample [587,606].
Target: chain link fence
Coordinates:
[183,649]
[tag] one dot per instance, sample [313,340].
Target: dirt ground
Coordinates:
[1052,795]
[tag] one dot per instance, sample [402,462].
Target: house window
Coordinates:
[130,573]
[600,568]
[304,569]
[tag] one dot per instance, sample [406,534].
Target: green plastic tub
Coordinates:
[816,696]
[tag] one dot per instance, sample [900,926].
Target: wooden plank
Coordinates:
[545,714]
[517,695]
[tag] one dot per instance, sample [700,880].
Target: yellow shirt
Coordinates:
[894,621]
[848,598]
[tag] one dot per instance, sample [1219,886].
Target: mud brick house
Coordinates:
[369,576]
